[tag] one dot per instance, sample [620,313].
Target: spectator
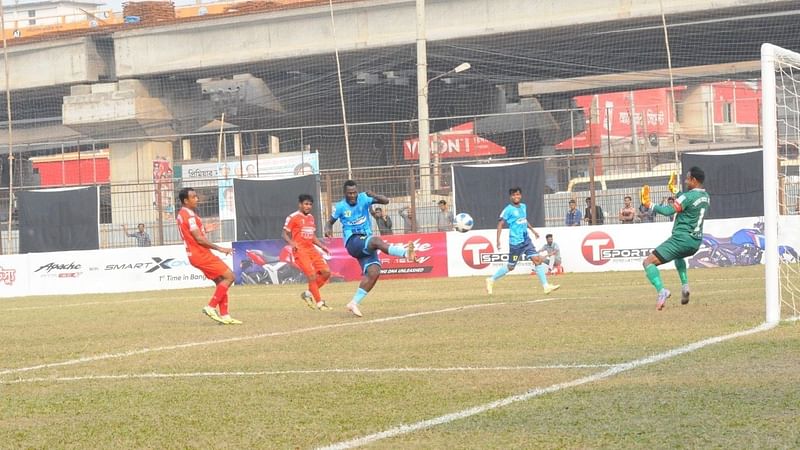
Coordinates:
[384,222]
[645,214]
[587,213]
[444,220]
[574,216]
[627,214]
[409,223]
[671,203]
[553,258]
[142,238]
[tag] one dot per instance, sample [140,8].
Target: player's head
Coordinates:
[188,197]
[305,203]
[549,238]
[695,177]
[515,194]
[351,191]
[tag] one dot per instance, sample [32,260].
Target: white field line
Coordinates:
[139,376]
[614,370]
[352,323]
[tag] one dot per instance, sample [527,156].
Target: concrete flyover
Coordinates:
[364,25]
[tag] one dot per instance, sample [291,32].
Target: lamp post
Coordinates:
[423,144]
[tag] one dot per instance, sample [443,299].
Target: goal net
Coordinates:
[780,70]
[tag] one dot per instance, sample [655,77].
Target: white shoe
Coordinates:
[353,308]
[212,313]
[228,320]
[489,285]
[548,288]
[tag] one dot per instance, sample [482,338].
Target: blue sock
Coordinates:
[360,294]
[541,272]
[501,272]
[397,250]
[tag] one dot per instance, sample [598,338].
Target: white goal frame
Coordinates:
[769,55]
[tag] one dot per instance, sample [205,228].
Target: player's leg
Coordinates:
[514,253]
[662,254]
[539,267]
[323,273]
[372,271]
[399,250]
[214,269]
[302,259]
[680,264]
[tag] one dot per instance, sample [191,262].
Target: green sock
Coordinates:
[654,277]
[680,264]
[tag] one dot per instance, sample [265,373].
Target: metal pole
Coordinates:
[10,135]
[423,146]
[634,131]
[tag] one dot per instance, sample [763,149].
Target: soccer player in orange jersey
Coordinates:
[198,248]
[299,231]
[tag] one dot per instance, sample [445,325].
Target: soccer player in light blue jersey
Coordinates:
[353,211]
[515,214]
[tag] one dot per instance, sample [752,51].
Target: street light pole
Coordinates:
[423,145]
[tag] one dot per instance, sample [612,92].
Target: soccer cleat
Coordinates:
[644,196]
[309,299]
[662,298]
[548,288]
[672,184]
[212,313]
[228,320]
[685,296]
[353,308]
[322,306]
[411,253]
[489,285]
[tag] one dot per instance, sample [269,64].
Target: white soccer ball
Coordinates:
[463,222]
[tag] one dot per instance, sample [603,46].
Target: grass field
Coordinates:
[572,370]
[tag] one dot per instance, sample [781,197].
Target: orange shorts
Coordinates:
[310,262]
[211,266]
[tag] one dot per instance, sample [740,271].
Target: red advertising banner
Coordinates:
[457,142]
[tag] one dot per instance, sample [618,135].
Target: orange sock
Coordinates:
[223,305]
[219,293]
[313,286]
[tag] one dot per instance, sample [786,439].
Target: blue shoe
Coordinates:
[662,298]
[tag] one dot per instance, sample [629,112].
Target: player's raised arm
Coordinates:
[377,198]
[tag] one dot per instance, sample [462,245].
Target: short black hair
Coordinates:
[698,174]
[349,183]
[627,197]
[183,195]
[140,225]
[548,235]
[305,197]
[572,200]
[514,190]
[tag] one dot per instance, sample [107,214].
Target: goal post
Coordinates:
[780,112]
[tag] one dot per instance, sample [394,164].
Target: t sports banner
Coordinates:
[272,261]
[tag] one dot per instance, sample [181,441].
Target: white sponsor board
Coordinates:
[14,275]
[602,248]
[282,165]
[103,271]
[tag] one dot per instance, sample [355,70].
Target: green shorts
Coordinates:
[676,247]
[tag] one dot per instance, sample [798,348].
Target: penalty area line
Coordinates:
[352,323]
[537,392]
[140,376]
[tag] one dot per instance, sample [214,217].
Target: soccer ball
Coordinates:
[463,222]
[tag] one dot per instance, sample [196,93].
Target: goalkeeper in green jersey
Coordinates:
[689,208]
